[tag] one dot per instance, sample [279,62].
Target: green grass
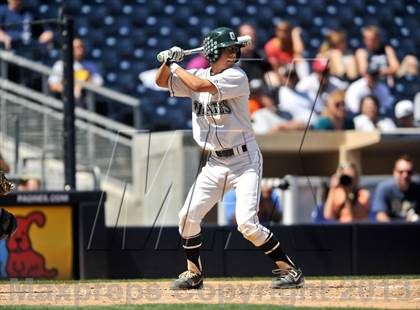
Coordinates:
[170,307]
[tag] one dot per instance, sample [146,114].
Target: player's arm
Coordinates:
[162,76]
[193,82]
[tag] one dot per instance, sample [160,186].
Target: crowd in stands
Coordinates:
[343,90]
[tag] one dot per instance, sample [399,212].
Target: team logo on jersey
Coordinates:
[213,108]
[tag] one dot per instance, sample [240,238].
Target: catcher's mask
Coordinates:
[218,39]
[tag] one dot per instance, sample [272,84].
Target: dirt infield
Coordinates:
[401,293]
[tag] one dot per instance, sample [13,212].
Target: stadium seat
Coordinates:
[114,7]
[96,37]
[278,7]
[155,6]
[139,15]
[97,19]
[72,7]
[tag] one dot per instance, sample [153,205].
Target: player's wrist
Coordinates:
[174,66]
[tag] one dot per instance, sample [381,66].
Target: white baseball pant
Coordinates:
[242,172]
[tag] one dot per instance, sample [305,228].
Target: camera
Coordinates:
[345,180]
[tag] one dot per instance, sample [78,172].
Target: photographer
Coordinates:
[346,202]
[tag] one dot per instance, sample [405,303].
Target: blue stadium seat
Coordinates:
[96,37]
[278,7]
[181,18]
[265,16]
[125,48]
[126,81]
[305,16]
[114,7]
[29,5]
[198,7]
[385,15]
[317,6]
[70,7]
[155,6]
[139,15]
[97,18]
[406,87]
[109,58]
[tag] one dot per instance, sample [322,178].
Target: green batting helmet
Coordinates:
[218,39]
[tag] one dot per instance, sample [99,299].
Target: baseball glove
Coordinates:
[8,223]
[5,185]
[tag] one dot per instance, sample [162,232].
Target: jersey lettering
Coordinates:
[213,108]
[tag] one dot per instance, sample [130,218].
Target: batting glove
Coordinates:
[163,56]
[176,54]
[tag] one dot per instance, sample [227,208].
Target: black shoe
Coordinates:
[188,280]
[289,278]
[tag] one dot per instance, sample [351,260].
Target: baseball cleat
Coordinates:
[289,278]
[188,280]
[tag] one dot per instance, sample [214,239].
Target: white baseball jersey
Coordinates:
[220,121]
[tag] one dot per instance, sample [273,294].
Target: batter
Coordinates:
[221,125]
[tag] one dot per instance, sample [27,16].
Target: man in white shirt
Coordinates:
[310,85]
[368,85]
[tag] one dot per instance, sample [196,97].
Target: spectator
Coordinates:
[404,114]
[409,66]
[369,118]
[311,85]
[398,198]
[258,99]
[4,166]
[342,62]
[265,115]
[252,61]
[84,70]
[269,206]
[334,115]
[20,34]
[346,201]
[29,185]
[285,48]
[376,53]
[369,85]
[294,102]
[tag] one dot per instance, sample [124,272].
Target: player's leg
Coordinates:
[247,202]
[203,195]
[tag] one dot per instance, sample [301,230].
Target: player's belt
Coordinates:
[231,152]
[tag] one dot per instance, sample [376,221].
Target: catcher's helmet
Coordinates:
[218,39]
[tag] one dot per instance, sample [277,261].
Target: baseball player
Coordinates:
[221,125]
